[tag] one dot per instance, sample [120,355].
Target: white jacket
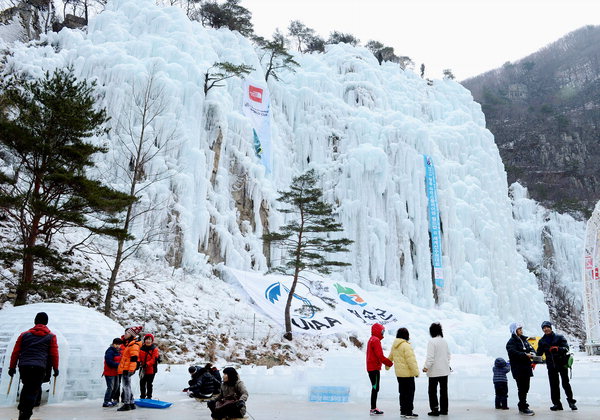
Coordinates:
[438,358]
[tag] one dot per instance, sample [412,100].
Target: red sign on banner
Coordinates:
[255,93]
[595,274]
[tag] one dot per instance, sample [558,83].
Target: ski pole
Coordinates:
[54,387]
[9,385]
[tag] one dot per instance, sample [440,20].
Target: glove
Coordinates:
[185,390]
[55,372]
[533,366]
[11,372]
[554,348]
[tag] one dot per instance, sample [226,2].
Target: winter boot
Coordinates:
[375,412]
[434,413]
[527,412]
[124,407]
[572,405]
[556,407]
[132,406]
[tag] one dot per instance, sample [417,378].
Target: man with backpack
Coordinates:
[556,349]
[34,349]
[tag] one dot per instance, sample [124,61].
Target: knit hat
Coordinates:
[133,330]
[41,318]
[546,324]
[514,327]
[149,336]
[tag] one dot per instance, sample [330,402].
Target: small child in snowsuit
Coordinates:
[500,369]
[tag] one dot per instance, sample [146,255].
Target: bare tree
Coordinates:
[139,134]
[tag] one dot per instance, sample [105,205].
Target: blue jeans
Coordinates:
[111,383]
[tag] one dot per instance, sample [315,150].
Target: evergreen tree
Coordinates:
[276,56]
[227,15]
[422,70]
[301,32]
[222,71]
[337,37]
[44,189]
[315,44]
[306,238]
[381,52]
[448,74]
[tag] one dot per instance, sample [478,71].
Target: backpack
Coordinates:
[569,363]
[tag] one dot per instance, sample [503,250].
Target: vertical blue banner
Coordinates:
[434,222]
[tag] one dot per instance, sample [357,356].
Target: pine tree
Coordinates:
[222,71]
[276,56]
[44,188]
[306,238]
[228,15]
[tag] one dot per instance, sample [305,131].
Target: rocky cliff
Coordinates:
[544,113]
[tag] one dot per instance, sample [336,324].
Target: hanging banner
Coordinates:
[434,222]
[256,105]
[318,306]
[591,282]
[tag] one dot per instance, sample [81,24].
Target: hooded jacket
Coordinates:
[35,347]
[518,349]
[375,356]
[403,357]
[149,358]
[500,369]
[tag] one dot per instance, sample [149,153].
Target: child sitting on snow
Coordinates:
[205,386]
[500,369]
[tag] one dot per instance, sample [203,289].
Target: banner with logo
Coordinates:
[318,306]
[256,105]
[591,280]
[434,222]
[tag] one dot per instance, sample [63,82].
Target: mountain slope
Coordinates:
[545,117]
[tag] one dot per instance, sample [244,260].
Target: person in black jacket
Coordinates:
[205,386]
[34,349]
[520,355]
[556,349]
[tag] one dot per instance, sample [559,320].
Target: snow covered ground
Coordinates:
[282,393]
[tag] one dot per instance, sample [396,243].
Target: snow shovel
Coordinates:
[9,385]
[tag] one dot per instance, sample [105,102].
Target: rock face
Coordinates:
[544,113]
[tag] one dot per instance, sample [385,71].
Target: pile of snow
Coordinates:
[83,336]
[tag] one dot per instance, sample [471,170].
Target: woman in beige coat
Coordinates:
[406,368]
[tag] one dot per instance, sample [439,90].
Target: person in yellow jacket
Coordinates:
[406,368]
[129,364]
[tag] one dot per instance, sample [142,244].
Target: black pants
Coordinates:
[501,394]
[406,389]
[116,391]
[374,376]
[553,377]
[432,391]
[146,385]
[522,390]
[234,410]
[32,378]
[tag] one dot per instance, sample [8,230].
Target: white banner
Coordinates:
[256,107]
[591,279]
[318,305]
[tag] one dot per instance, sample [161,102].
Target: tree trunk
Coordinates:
[27,278]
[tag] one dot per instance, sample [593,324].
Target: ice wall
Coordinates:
[83,336]
[363,126]
[552,245]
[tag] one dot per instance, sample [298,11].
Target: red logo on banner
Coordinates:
[595,274]
[255,93]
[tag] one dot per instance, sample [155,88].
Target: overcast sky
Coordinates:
[467,36]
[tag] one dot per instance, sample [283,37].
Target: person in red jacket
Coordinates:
[148,365]
[112,358]
[375,358]
[35,349]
